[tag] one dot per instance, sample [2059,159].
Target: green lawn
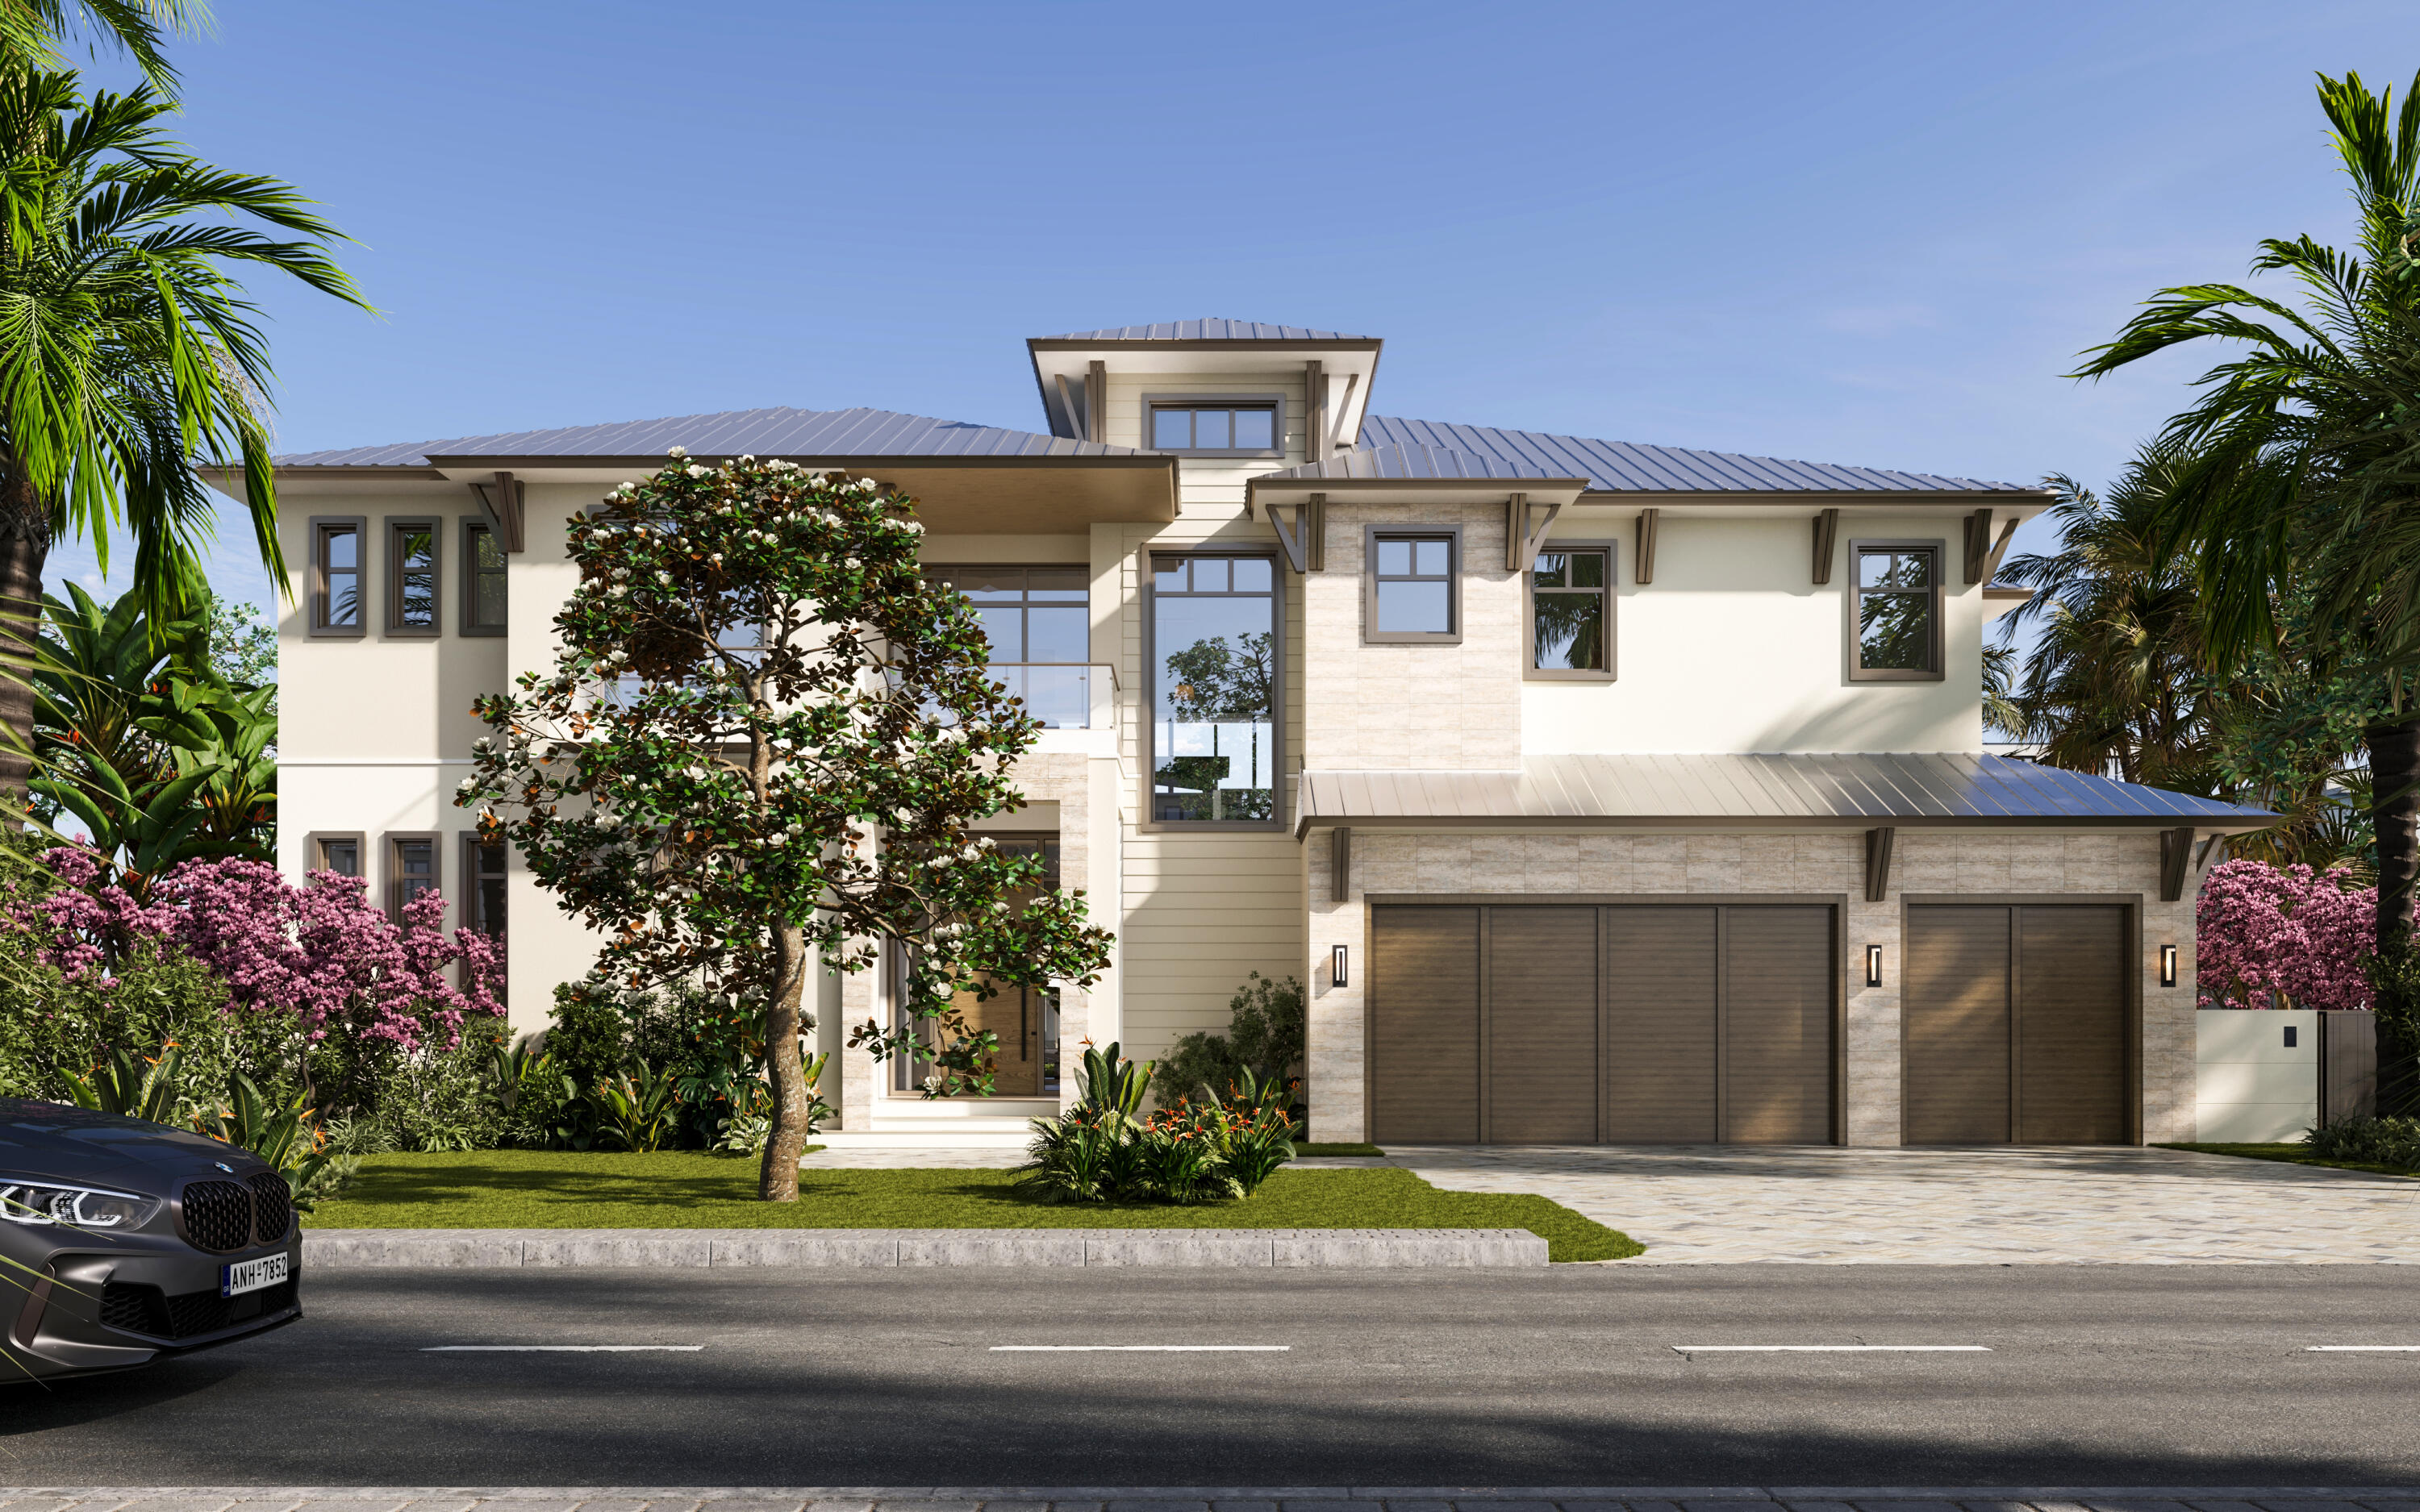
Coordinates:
[2294,1154]
[533,1189]
[1307,1148]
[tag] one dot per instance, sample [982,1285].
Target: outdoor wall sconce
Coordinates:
[1335,968]
[1874,966]
[2167,965]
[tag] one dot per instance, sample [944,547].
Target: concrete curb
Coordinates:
[369,1249]
[1176,1497]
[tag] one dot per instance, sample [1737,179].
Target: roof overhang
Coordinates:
[1288,490]
[1348,365]
[955,495]
[2007,504]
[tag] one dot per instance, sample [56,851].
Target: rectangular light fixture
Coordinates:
[1874,966]
[2167,965]
[1335,968]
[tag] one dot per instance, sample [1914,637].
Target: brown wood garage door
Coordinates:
[2016,1025]
[1578,1024]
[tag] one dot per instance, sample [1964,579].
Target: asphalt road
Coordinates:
[2095,1375]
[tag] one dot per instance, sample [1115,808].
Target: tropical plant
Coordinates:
[281,1131]
[1110,1084]
[784,731]
[128,355]
[132,1086]
[96,674]
[2389,1141]
[229,739]
[32,31]
[638,1110]
[2306,454]
[1267,1033]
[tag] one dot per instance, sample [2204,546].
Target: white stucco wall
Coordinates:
[2250,1086]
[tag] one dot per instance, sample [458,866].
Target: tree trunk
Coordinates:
[779,1180]
[25,550]
[2395,806]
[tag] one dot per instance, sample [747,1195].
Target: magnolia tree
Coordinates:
[763,743]
[2290,938]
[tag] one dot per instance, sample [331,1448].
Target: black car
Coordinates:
[122,1241]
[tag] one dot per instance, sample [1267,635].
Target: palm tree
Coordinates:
[128,354]
[2303,486]
[30,31]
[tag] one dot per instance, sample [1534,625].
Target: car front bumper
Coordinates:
[128,1299]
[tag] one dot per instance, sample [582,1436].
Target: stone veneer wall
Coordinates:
[1058,776]
[1829,862]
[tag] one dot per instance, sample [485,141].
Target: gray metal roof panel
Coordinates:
[1210,327]
[1625,467]
[1417,460]
[773,432]
[1942,787]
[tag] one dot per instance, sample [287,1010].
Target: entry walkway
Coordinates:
[1999,1206]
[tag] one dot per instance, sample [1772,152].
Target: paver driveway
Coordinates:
[2004,1205]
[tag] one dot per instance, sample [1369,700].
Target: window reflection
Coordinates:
[1214,690]
[1039,622]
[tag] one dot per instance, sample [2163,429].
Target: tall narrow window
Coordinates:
[411,871]
[483,580]
[483,884]
[1024,1019]
[340,853]
[1897,606]
[411,577]
[1039,622]
[337,553]
[1412,594]
[1571,613]
[1217,677]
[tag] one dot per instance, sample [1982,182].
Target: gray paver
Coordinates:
[2014,1204]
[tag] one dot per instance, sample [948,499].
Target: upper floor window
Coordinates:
[1039,621]
[338,553]
[1897,603]
[1571,613]
[1216,426]
[483,580]
[411,871]
[411,577]
[1412,588]
[340,853]
[1217,674]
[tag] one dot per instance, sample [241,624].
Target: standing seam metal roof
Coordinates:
[1210,327]
[1415,461]
[1944,787]
[776,432]
[1622,466]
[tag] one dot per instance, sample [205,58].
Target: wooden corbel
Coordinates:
[2176,858]
[1290,541]
[1521,543]
[1642,558]
[502,503]
[1076,419]
[1979,543]
[1827,530]
[1878,860]
[1314,532]
[1999,550]
[1314,412]
[1097,401]
[1341,867]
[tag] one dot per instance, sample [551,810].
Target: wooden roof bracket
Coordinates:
[2176,859]
[1521,543]
[1075,418]
[1314,412]
[1097,401]
[1339,879]
[1290,541]
[1312,522]
[1979,543]
[1999,550]
[1878,860]
[1827,530]
[502,502]
[1642,558]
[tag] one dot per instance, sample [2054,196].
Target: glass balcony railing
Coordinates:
[1063,695]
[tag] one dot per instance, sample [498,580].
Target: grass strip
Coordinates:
[2293,1154]
[547,1189]
[1331,1150]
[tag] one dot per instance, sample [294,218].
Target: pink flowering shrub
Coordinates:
[2267,937]
[319,952]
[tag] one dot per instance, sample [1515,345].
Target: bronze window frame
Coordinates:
[473,911]
[316,589]
[1280,650]
[1852,598]
[391,529]
[391,843]
[1530,671]
[314,849]
[1275,402]
[472,527]
[1371,536]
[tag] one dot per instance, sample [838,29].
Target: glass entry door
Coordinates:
[1024,1020]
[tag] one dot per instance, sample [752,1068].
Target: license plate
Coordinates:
[250,1276]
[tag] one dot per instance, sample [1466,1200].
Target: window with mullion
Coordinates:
[1215,665]
[483,580]
[1897,599]
[1216,425]
[339,558]
[1414,592]
[411,584]
[1039,621]
[1571,613]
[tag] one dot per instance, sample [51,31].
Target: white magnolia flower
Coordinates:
[617,590]
[696,472]
[678,451]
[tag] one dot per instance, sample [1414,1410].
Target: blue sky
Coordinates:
[1859,233]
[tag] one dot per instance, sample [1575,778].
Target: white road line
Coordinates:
[2361,1349]
[1140,1348]
[1831,1349]
[561,1348]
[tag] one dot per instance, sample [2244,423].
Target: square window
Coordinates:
[1413,595]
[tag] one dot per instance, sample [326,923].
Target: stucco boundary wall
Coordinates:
[370,1249]
[1984,864]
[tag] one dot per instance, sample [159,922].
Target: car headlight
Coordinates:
[72,1207]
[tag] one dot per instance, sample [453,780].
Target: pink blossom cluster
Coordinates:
[318,951]
[2290,937]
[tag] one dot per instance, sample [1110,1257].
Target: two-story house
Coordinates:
[1598,792]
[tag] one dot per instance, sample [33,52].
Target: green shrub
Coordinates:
[2369,1142]
[1267,1033]
[1203,1149]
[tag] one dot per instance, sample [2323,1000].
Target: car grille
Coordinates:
[218,1215]
[142,1309]
[272,1207]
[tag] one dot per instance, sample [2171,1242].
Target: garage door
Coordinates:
[1581,1024]
[2016,1025]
